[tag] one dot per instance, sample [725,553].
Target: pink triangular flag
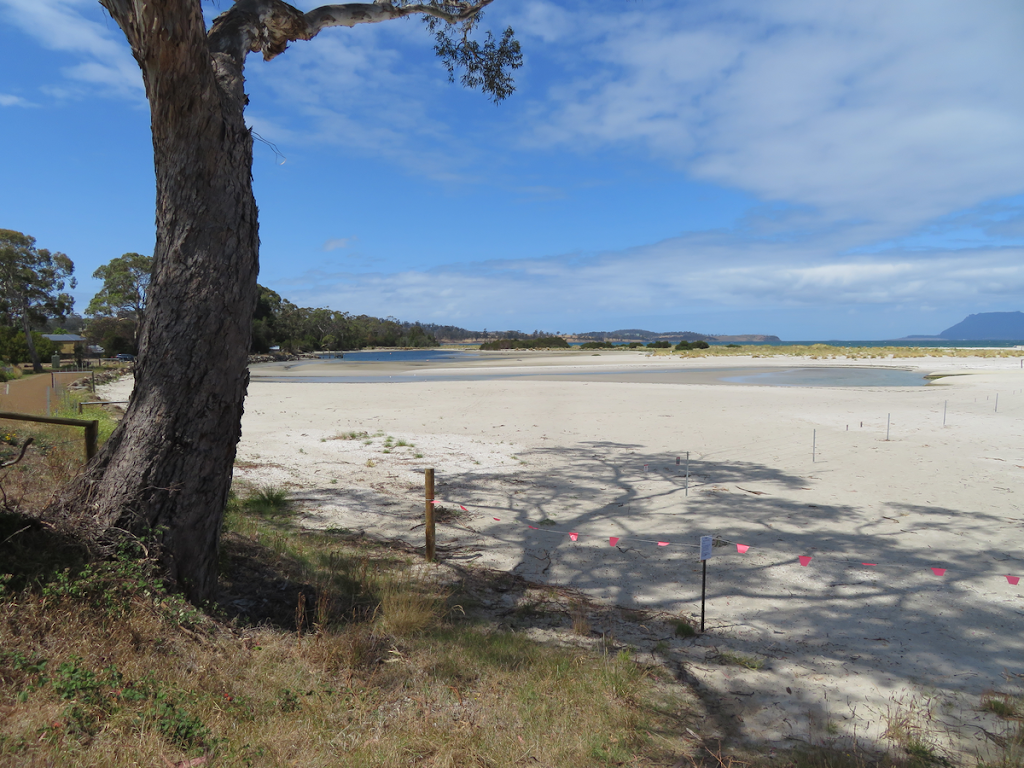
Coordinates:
[574,536]
[805,559]
[496,518]
[534,527]
[938,571]
[1015,580]
[463,508]
[435,501]
[662,543]
[741,548]
[870,564]
[613,540]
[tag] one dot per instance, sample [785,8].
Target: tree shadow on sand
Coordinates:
[891,623]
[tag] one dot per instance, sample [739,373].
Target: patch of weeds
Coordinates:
[181,728]
[408,603]
[287,700]
[267,501]
[546,521]
[352,435]
[443,514]
[580,623]
[923,754]
[1004,705]
[683,628]
[371,463]
[740,660]
[108,587]
[909,719]
[418,456]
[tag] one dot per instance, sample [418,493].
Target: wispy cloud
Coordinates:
[338,243]
[76,26]
[676,278]
[893,113]
[10,100]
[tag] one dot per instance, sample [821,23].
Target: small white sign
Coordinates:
[705,547]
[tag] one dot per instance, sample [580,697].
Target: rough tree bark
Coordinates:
[166,471]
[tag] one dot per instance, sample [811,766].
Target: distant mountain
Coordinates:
[997,326]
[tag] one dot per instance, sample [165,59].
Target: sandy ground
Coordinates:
[785,471]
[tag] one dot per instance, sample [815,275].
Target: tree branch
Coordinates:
[269,25]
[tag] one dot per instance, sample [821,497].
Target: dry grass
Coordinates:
[374,664]
[56,455]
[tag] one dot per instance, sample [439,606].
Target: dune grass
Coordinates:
[829,352]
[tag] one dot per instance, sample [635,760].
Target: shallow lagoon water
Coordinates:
[832,377]
[358,367]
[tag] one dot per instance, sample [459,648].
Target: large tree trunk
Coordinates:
[166,471]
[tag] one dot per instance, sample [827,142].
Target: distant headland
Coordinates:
[984,326]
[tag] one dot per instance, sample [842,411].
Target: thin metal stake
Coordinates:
[814,445]
[944,404]
[887,418]
[703,593]
[997,402]
[687,474]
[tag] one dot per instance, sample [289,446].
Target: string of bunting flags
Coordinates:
[613,541]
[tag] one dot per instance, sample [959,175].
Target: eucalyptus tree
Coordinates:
[166,471]
[32,283]
[124,291]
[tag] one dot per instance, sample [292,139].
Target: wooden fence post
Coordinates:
[92,428]
[428,482]
[92,437]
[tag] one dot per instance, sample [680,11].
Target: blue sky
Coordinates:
[842,170]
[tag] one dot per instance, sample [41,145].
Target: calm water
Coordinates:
[406,356]
[350,369]
[832,377]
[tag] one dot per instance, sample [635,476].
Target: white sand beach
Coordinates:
[786,471]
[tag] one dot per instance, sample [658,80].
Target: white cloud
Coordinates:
[699,274]
[9,100]
[75,26]
[338,242]
[893,113]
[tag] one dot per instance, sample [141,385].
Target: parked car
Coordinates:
[125,358]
